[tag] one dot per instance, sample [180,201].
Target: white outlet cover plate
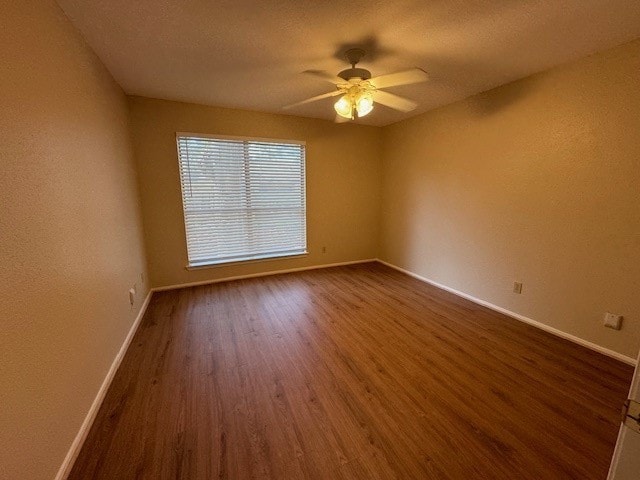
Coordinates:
[132,295]
[613,320]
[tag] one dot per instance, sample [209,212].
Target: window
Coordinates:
[243,199]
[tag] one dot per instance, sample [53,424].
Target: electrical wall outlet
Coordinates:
[517,287]
[613,320]
[324,249]
[132,295]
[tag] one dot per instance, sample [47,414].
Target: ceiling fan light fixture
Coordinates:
[358,89]
[344,107]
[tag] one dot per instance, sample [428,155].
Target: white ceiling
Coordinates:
[249,54]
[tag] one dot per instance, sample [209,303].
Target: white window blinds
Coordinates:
[243,199]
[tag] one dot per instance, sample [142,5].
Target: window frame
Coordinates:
[255,258]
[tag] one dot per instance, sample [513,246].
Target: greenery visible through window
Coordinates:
[243,199]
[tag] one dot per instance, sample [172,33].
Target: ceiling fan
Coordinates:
[359,91]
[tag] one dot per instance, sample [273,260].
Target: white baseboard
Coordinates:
[261,274]
[517,316]
[76,446]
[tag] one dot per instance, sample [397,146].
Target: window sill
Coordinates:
[271,258]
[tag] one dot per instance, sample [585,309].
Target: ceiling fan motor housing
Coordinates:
[355,73]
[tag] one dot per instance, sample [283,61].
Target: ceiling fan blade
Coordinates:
[414,75]
[326,76]
[313,99]
[394,101]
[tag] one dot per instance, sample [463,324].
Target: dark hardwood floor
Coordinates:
[355,372]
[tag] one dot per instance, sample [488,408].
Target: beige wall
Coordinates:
[70,235]
[537,181]
[343,184]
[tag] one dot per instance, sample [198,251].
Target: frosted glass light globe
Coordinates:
[343,107]
[364,104]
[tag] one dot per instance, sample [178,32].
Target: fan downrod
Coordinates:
[353,56]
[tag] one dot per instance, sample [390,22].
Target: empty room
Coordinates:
[301,240]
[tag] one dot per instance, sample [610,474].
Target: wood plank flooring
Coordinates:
[355,372]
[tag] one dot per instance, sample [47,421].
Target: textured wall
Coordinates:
[536,181]
[70,235]
[343,185]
